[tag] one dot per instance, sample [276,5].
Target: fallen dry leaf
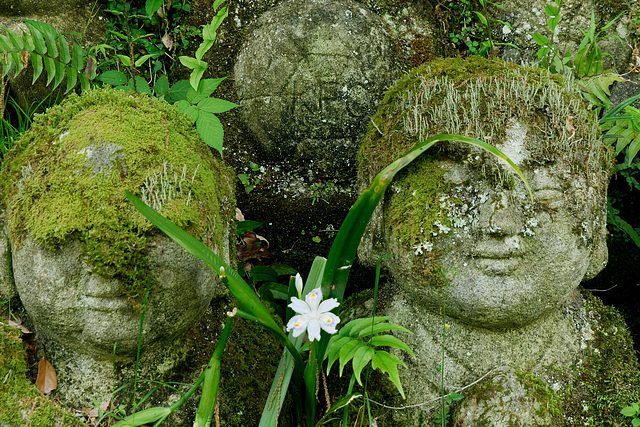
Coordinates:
[47,380]
[18,326]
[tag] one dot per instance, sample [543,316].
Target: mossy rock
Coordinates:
[21,403]
[67,176]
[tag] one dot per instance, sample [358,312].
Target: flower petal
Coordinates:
[328,305]
[313,329]
[313,299]
[299,284]
[299,306]
[328,322]
[298,324]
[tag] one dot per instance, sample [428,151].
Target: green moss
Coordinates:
[609,377]
[20,401]
[68,174]
[473,97]
[550,401]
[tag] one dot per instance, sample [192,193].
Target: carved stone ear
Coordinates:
[599,253]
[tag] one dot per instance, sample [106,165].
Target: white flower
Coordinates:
[313,315]
[299,285]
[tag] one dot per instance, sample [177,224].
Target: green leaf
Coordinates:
[152,6]
[210,130]
[244,226]
[551,10]
[161,87]
[192,63]
[388,363]
[190,110]
[284,269]
[360,359]
[16,41]
[215,105]
[354,327]
[390,341]
[142,60]
[339,404]
[50,36]
[179,90]
[195,76]
[206,88]
[635,422]
[59,74]
[113,78]
[333,349]
[629,411]
[261,273]
[143,417]
[540,39]
[72,78]
[50,66]
[347,352]
[482,18]
[204,47]
[126,61]
[36,63]
[142,86]
[65,56]
[277,290]
[382,327]
[77,58]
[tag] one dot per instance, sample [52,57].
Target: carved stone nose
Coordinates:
[500,217]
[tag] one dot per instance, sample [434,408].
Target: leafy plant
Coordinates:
[250,182]
[47,49]
[632,411]
[327,276]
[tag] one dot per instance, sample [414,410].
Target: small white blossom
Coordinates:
[313,314]
[299,285]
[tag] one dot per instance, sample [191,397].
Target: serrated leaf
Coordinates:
[59,74]
[210,130]
[72,78]
[36,63]
[388,363]
[77,58]
[390,341]
[190,110]
[50,66]
[16,41]
[141,85]
[162,86]
[179,90]
[333,349]
[65,56]
[205,89]
[348,351]
[360,359]
[50,35]
[113,78]
[382,327]
[215,105]
[355,326]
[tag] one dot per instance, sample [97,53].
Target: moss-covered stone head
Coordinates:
[459,207]
[83,256]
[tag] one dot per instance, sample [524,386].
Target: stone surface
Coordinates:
[83,257]
[310,74]
[517,258]
[575,15]
[556,340]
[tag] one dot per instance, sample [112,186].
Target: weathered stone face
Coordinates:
[309,77]
[88,314]
[515,260]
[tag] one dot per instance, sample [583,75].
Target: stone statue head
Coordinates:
[83,257]
[510,259]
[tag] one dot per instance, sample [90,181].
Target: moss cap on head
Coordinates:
[68,174]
